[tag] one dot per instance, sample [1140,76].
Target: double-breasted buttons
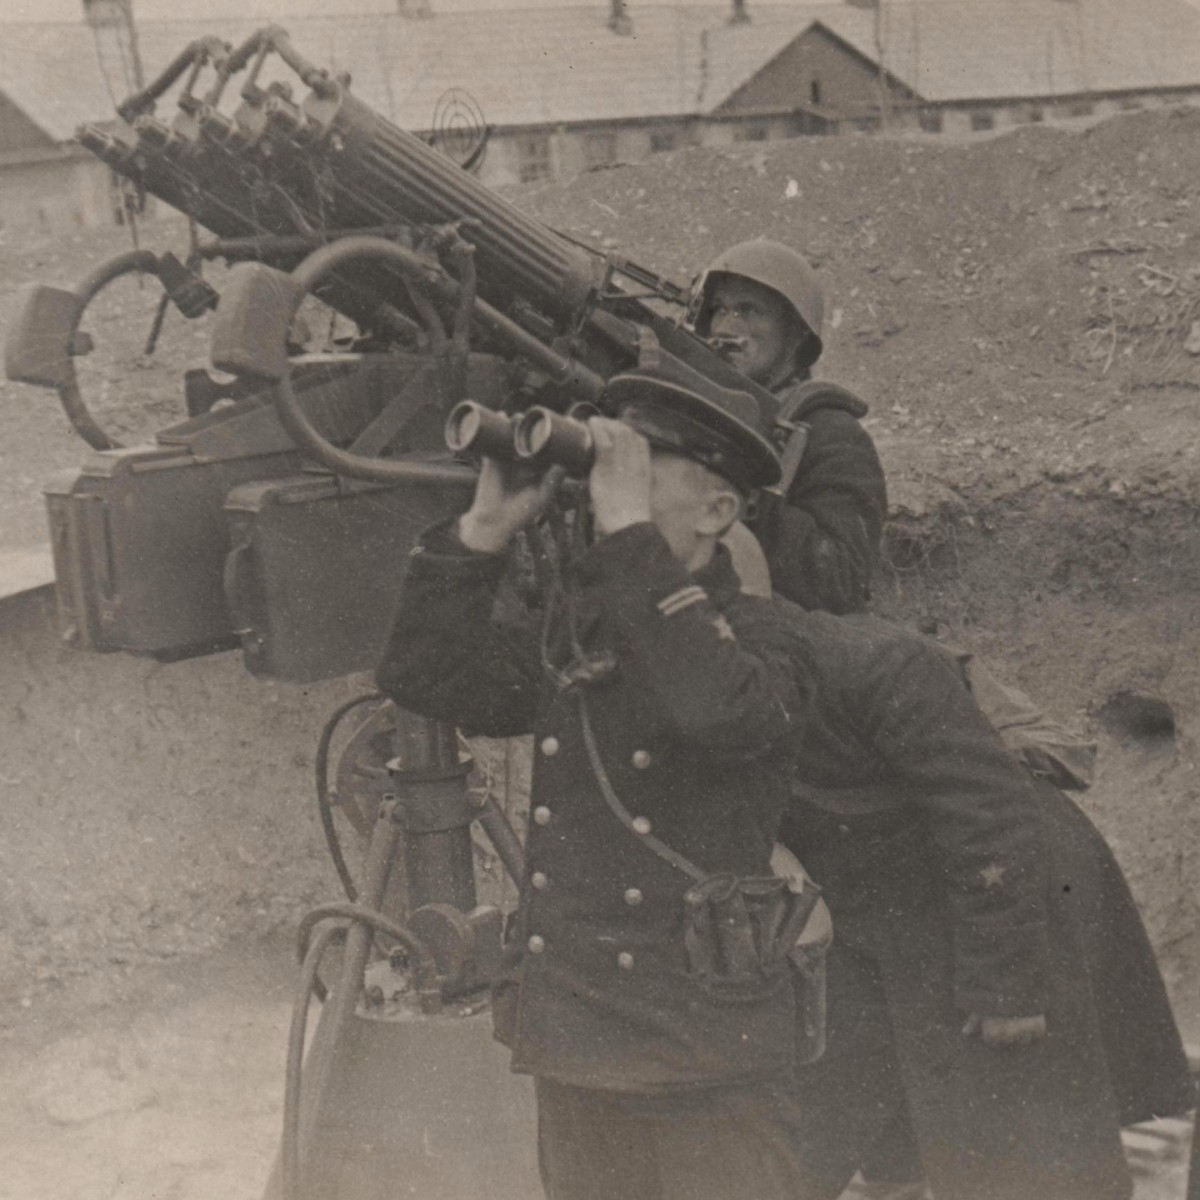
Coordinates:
[641,759]
[536,944]
[633,897]
[641,825]
[539,881]
[549,746]
[541,815]
[625,960]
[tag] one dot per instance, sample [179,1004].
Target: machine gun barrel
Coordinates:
[329,165]
[387,171]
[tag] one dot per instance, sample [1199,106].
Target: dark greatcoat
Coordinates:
[960,884]
[823,542]
[689,727]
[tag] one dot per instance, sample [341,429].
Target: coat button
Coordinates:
[641,759]
[550,746]
[536,944]
[541,815]
[843,829]
[539,881]
[625,960]
[633,897]
[641,825]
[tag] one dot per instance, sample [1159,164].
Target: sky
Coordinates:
[71,10]
[160,10]
[164,10]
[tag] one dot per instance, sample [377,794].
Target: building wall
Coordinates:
[961,119]
[54,194]
[816,71]
[531,156]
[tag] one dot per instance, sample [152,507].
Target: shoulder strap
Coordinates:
[803,398]
[791,458]
[797,403]
[619,810]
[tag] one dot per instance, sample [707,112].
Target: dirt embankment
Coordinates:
[1022,314]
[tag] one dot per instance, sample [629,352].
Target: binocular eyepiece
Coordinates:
[538,437]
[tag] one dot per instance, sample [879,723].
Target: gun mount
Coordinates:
[221,532]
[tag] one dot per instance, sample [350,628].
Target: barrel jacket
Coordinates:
[689,727]
[822,542]
[971,887]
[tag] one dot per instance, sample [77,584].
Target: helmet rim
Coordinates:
[779,269]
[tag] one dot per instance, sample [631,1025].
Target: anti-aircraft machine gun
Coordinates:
[278,515]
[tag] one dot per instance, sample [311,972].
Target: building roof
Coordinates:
[24,570]
[962,50]
[563,65]
[523,67]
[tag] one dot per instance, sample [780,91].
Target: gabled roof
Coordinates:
[549,66]
[947,50]
[524,67]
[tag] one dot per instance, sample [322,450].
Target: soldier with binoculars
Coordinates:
[659,1031]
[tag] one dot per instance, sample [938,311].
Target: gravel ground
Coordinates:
[1021,313]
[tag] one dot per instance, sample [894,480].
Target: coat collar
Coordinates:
[718,578]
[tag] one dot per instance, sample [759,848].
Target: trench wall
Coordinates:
[155,811]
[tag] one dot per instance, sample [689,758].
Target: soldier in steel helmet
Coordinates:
[659,1034]
[763,305]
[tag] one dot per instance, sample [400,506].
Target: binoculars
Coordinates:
[538,437]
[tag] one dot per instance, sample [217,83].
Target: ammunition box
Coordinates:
[139,544]
[315,566]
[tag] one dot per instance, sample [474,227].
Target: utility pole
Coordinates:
[113,28]
[885,97]
[115,35]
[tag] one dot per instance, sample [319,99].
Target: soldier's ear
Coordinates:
[748,560]
[722,507]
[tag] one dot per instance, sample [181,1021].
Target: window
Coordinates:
[1035,114]
[1131,103]
[1083,108]
[662,139]
[983,119]
[751,133]
[533,157]
[930,120]
[814,91]
[600,149]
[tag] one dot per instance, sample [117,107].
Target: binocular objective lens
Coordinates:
[462,428]
[532,433]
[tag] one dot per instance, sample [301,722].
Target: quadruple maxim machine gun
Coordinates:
[455,294]
[278,515]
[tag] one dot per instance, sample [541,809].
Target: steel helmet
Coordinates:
[777,267]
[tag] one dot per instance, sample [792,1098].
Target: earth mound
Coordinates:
[1021,312]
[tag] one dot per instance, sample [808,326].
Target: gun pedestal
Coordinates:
[403,1091]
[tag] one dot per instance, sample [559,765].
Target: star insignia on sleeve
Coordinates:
[724,630]
[993,875]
